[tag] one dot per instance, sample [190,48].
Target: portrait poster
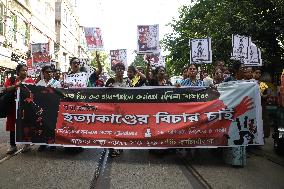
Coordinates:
[94,38]
[148,39]
[118,56]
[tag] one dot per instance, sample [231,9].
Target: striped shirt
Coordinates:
[189,82]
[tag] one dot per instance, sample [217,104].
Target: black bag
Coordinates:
[7,99]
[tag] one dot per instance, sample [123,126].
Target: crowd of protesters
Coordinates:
[191,76]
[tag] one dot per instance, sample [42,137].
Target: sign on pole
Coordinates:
[157,60]
[254,56]
[118,56]
[40,56]
[40,52]
[94,38]
[200,51]
[241,46]
[245,51]
[148,39]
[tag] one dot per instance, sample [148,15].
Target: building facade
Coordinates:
[83,51]
[52,23]
[43,24]
[67,30]
[14,35]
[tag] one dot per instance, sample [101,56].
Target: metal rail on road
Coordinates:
[269,157]
[11,155]
[102,175]
[196,179]
[100,179]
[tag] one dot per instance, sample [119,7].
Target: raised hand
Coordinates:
[97,56]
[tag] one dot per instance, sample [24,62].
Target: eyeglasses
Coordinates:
[76,62]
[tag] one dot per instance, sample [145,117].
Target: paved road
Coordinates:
[92,168]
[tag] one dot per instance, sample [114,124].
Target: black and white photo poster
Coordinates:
[200,51]
[240,46]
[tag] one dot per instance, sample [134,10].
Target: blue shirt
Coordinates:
[188,82]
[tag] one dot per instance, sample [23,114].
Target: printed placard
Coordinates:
[200,51]
[40,53]
[254,56]
[148,39]
[77,80]
[118,56]
[94,38]
[157,60]
[240,46]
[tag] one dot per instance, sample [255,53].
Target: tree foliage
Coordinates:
[139,61]
[105,61]
[263,20]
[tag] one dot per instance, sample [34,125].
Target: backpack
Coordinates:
[7,99]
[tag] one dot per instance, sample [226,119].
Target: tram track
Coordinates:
[102,177]
[7,157]
[101,174]
[194,177]
[269,158]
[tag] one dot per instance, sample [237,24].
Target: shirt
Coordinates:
[189,82]
[136,81]
[112,81]
[52,83]
[154,82]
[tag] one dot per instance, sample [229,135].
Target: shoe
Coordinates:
[52,148]
[73,149]
[258,147]
[158,152]
[26,148]
[41,148]
[114,153]
[12,150]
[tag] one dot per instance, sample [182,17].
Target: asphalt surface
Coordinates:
[93,168]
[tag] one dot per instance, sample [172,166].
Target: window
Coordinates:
[14,26]
[63,15]
[27,34]
[23,31]
[2,19]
